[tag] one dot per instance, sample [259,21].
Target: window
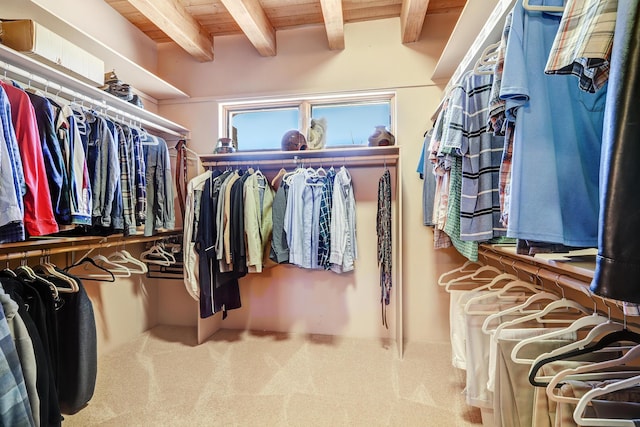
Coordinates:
[350,119]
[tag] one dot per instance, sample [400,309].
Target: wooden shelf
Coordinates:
[43,245]
[356,156]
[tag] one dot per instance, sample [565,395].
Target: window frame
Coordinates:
[304,105]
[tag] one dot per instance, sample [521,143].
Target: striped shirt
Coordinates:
[467,248]
[481,153]
[582,45]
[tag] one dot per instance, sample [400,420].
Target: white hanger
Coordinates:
[597,332]
[118,270]
[162,257]
[582,322]
[527,6]
[50,270]
[474,278]
[630,356]
[540,296]
[464,268]
[514,283]
[600,391]
[560,304]
[487,59]
[125,258]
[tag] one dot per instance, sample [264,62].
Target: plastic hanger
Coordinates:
[278,176]
[512,291]
[27,273]
[487,60]
[118,270]
[537,8]
[494,284]
[618,336]
[48,269]
[123,257]
[157,255]
[588,397]
[105,274]
[581,323]
[467,267]
[475,278]
[537,297]
[561,304]
[630,356]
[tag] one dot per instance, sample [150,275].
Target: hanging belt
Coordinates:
[181,174]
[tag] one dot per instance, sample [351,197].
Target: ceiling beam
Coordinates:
[412,19]
[172,18]
[334,23]
[253,21]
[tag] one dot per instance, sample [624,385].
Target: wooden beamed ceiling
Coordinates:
[193,24]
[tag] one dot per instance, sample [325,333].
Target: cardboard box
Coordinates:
[29,37]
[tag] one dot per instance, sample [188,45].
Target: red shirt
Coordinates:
[38,211]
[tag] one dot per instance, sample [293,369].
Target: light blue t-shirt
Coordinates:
[558,132]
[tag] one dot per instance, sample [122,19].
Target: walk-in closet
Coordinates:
[314,212]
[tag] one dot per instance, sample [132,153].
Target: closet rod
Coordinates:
[558,277]
[365,161]
[34,253]
[29,79]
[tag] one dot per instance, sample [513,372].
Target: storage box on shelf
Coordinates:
[37,41]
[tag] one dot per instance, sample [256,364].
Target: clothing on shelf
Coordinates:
[38,211]
[87,169]
[510,162]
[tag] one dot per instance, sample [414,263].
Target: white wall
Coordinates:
[287,298]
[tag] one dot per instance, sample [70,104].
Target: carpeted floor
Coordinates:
[271,379]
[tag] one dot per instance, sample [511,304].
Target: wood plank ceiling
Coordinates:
[193,24]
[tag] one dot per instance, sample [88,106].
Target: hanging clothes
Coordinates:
[583,43]
[191,220]
[384,232]
[104,170]
[11,178]
[159,190]
[344,248]
[555,166]
[53,160]
[218,291]
[29,306]
[326,205]
[616,274]
[76,166]
[14,403]
[38,212]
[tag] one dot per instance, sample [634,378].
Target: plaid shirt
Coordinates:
[324,240]
[126,181]
[582,46]
[504,183]
[12,232]
[497,113]
[140,178]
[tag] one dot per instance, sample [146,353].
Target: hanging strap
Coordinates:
[181,174]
